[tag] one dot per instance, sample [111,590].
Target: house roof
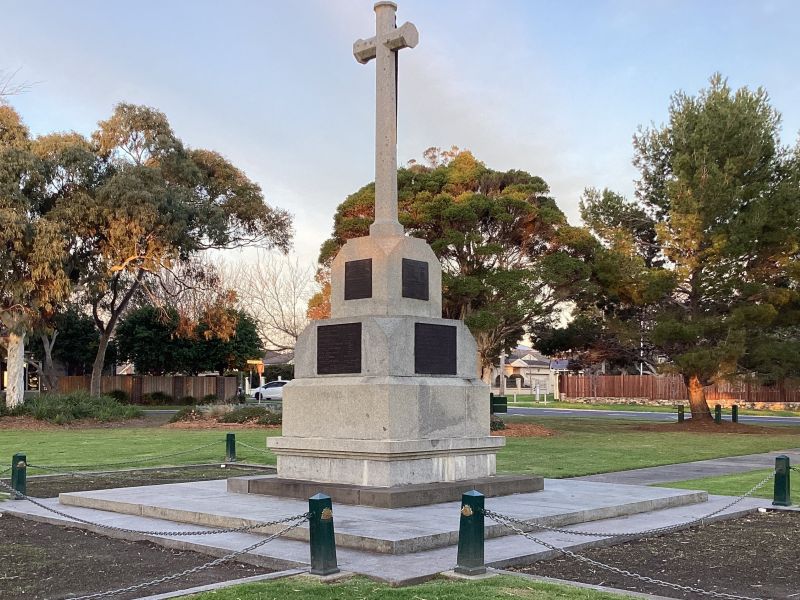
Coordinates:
[272,357]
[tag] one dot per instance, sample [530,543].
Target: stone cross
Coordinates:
[383,47]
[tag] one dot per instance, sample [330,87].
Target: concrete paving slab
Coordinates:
[391,531]
[694,470]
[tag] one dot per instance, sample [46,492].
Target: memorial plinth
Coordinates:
[386,396]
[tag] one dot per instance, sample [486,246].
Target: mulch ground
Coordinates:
[525,430]
[705,426]
[38,561]
[214,424]
[755,556]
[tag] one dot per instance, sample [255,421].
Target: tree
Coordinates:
[503,243]
[716,227]
[223,354]
[33,245]
[76,348]
[276,290]
[153,205]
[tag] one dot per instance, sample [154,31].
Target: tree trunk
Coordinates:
[697,399]
[15,392]
[99,362]
[49,375]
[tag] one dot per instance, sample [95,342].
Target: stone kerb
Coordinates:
[387,254]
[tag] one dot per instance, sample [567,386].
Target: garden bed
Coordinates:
[754,556]
[38,561]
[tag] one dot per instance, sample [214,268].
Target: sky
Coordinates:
[553,88]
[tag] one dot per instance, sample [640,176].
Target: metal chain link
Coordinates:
[503,520]
[127,462]
[197,569]
[654,531]
[240,529]
[795,469]
[239,443]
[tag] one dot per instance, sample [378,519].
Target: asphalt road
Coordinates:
[642,416]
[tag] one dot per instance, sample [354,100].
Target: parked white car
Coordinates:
[270,391]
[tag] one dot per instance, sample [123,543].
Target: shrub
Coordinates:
[208,399]
[65,408]
[271,418]
[244,414]
[496,423]
[187,413]
[186,401]
[157,398]
[120,396]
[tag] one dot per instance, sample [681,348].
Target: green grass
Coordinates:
[93,446]
[736,484]
[586,447]
[528,402]
[495,588]
[581,446]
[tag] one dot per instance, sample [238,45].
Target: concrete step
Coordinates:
[386,531]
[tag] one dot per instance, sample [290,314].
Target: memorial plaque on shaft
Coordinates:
[339,349]
[434,349]
[358,279]
[415,279]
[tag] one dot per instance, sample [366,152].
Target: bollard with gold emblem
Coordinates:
[470,535]
[323,543]
[19,470]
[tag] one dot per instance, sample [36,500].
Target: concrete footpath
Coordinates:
[694,470]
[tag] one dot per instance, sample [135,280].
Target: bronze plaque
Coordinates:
[339,349]
[434,349]
[358,279]
[415,279]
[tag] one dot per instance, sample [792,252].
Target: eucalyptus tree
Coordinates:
[33,244]
[156,204]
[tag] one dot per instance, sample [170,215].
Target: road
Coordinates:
[641,415]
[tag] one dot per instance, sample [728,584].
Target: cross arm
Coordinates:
[405,36]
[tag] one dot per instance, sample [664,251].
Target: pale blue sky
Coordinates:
[554,88]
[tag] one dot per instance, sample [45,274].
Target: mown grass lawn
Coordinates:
[580,447]
[737,484]
[587,446]
[495,588]
[98,446]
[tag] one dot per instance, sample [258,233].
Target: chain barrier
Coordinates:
[120,463]
[240,529]
[245,445]
[508,522]
[795,469]
[139,586]
[654,531]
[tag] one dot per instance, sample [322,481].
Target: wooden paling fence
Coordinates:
[136,386]
[670,387]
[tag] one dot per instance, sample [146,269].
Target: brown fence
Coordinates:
[177,386]
[670,387]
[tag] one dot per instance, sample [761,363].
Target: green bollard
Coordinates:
[19,470]
[230,448]
[783,490]
[717,414]
[735,413]
[320,529]
[681,414]
[470,535]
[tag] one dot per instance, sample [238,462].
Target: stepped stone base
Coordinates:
[382,497]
